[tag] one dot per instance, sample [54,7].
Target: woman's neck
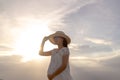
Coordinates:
[60,46]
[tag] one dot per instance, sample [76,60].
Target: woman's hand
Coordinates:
[45,38]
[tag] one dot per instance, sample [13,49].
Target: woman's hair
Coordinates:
[65,44]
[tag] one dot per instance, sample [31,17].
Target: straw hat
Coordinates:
[61,34]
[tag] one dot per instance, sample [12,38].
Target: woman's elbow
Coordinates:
[41,53]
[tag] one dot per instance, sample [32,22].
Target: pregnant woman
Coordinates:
[59,65]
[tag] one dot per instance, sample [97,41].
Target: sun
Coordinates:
[28,43]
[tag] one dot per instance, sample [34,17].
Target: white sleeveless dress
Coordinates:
[56,61]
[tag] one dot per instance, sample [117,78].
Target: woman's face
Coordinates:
[58,40]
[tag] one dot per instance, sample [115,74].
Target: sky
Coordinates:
[92,25]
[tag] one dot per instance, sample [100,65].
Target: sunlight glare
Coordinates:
[28,44]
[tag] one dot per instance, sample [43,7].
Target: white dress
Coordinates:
[56,61]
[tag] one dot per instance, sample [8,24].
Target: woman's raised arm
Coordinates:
[41,52]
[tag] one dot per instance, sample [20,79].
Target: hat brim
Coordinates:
[51,38]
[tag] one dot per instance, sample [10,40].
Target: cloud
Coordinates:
[27,7]
[10,59]
[8,30]
[36,7]
[98,41]
[81,68]
[92,25]
[112,62]
[58,16]
[97,49]
[13,69]
[99,73]
[98,22]
[5,48]
[53,11]
[92,69]
[82,20]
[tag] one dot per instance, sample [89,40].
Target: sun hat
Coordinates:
[61,34]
